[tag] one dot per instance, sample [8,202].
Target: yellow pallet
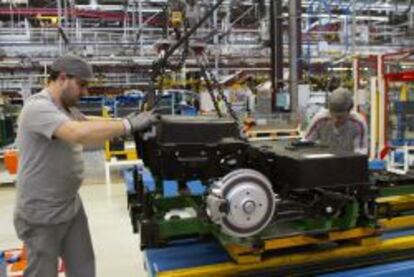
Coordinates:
[245,255]
[370,247]
[272,134]
[398,203]
[401,203]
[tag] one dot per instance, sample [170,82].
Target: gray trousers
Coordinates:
[46,243]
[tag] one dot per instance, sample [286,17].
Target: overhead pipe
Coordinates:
[295,52]
[116,16]
[276,46]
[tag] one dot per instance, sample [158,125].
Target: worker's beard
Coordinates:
[68,98]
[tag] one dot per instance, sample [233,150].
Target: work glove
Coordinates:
[140,122]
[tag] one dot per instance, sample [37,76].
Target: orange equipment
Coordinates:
[11,161]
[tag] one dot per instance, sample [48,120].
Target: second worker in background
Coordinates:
[339,127]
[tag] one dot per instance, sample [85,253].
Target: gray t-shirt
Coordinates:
[352,135]
[50,170]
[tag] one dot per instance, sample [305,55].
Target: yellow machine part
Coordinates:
[404,93]
[128,154]
[177,19]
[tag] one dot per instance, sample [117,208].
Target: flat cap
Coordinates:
[74,66]
[340,100]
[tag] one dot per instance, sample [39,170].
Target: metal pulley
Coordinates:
[242,203]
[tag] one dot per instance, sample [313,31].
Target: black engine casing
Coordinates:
[183,148]
[309,166]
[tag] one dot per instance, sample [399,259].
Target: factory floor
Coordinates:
[116,247]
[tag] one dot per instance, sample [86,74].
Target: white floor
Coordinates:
[116,247]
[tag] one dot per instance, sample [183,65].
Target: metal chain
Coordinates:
[209,86]
[208,75]
[221,93]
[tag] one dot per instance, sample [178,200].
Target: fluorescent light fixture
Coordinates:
[341,68]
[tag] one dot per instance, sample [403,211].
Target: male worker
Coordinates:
[339,128]
[49,216]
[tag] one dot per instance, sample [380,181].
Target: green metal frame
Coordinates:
[347,220]
[177,227]
[350,217]
[397,191]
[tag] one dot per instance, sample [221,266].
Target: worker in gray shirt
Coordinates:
[338,127]
[49,216]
